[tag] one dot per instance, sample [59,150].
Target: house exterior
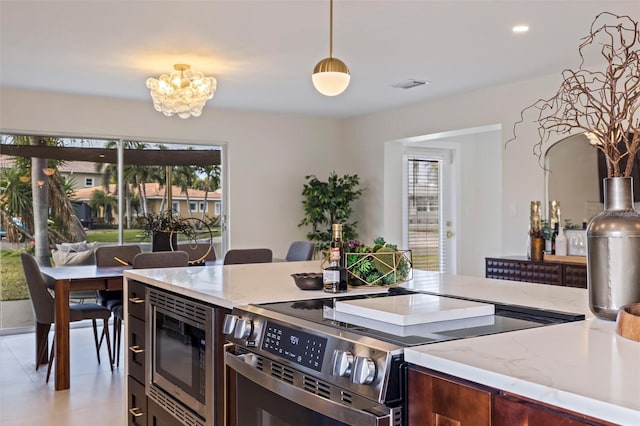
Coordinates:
[82,174]
[197,202]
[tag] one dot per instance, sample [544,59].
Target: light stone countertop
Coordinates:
[582,366]
[235,285]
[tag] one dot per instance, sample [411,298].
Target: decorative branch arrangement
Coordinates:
[602,103]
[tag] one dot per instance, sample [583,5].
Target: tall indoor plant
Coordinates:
[328,202]
[604,102]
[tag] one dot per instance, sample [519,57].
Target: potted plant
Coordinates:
[164,227]
[326,203]
[379,264]
[604,103]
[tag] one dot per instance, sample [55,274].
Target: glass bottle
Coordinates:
[561,243]
[334,276]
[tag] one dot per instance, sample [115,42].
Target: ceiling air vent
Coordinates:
[409,84]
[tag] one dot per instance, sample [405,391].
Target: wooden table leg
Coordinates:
[62,334]
[42,338]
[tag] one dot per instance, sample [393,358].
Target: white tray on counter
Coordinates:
[412,309]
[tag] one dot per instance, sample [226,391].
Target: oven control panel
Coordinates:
[295,345]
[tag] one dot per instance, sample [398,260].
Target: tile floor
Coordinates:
[96,396]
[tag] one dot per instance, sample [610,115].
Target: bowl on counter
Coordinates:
[628,321]
[308,280]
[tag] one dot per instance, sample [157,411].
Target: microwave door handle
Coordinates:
[320,405]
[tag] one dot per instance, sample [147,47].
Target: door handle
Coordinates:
[136,349]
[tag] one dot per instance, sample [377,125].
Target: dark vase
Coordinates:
[613,251]
[164,241]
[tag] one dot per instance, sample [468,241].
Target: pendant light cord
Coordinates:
[331,28]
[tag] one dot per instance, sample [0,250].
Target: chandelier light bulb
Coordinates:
[182,92]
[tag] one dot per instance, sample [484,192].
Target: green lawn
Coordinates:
[13,285]
[130,235]
[111,235]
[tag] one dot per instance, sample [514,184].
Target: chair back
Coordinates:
[198,251]
[42,300]
[105,255]
[160,259]
[300,250]
[240,256]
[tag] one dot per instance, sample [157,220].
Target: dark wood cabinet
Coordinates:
[137,404]
[437,399]
[511,410]
[519,268]
[440,401]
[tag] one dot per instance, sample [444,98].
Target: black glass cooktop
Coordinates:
[506,318]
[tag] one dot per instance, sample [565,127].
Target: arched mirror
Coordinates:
[571,178]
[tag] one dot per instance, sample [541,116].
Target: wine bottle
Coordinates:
[334,276]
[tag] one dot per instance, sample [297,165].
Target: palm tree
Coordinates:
[209,183]
[184,177]
[16,199]
[110,172]
[103,202]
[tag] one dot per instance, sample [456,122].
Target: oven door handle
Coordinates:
[326,407]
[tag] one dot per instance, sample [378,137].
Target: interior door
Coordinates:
[430,210]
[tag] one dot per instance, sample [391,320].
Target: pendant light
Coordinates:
[331,75]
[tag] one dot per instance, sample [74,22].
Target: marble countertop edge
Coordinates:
[556,397]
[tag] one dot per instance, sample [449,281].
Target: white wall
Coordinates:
[504,208]
[269,154]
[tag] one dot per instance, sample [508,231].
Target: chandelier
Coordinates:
[182,92]
[331,75]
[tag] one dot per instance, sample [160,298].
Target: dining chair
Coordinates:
[240,256]
[112,299]
[44,309]
[300,250]
[198,252]
[160,259]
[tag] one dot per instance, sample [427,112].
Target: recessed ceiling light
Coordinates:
[520,29]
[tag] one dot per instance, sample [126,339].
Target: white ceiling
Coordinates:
[262,52]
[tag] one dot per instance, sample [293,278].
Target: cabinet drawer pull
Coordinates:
[136,349]
[136,300]
[135,412]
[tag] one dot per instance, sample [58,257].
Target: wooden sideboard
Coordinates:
[519,268]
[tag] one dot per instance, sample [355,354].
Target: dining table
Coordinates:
[65,279]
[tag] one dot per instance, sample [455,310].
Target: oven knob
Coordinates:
[364,371]
[342,362]
[243,329]
[229,323]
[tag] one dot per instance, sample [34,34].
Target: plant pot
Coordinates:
[613,251]
[164,241]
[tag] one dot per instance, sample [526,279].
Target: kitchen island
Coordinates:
[582,367]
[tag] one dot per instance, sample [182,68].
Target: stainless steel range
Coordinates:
[304,363]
